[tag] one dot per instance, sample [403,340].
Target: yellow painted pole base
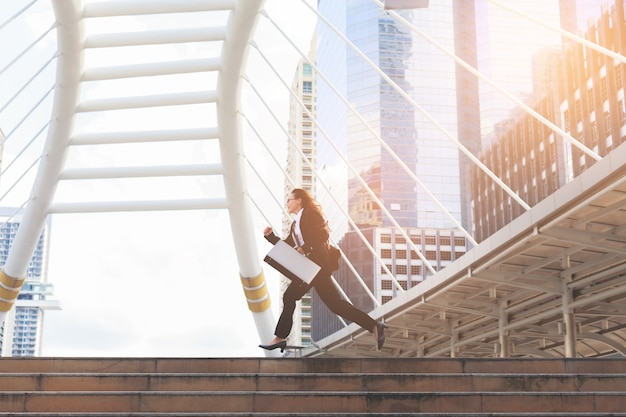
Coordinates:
[9,290]
[256,292]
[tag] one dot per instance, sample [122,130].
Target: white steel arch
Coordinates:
[73,40]
[240,32]
[69,68]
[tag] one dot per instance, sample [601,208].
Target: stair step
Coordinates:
[422,383]
[320,387]
[315,365]
[312,402]
[300,414]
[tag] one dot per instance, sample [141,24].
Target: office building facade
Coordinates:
[501,44]
[577,89]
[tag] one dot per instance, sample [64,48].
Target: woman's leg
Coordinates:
[330,296]
[293,293]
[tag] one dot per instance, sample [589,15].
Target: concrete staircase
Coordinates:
[188,387]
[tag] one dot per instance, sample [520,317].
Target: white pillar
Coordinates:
[240,31]
[70,36]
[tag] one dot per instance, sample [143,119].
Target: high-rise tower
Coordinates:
[510,50]
[578,90]
[421,72]
[301,156]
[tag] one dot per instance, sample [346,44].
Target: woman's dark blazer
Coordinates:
[315,234]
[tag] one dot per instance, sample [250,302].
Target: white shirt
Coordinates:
[297,233]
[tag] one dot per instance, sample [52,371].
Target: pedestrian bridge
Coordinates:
[191,77]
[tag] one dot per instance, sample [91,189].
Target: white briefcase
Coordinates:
[291,263]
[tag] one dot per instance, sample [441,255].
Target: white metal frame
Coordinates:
[69,67]
[71,72]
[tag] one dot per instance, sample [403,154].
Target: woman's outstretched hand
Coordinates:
[267,230]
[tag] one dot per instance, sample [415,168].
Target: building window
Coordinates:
[578,108]
[590,99]
[385,253]
[307,87]
[603,89]
[622,109]
[401,269]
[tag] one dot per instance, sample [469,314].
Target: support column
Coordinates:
[420,347]
[569,318]
[240,31]
[70,40]
[505,347]
[454,339]
[570,335]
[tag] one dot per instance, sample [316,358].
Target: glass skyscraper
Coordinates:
[418,72]
[386,112]
[421,72]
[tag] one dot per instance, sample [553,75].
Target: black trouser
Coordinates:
[325,288]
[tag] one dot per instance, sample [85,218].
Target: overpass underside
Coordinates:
[550,284]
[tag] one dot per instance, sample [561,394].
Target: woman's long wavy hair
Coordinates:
[308,201]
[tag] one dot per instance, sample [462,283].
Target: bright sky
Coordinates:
[158,283]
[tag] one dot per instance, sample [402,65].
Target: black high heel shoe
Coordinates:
[380,334]
[278,345]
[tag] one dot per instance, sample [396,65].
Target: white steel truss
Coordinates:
[233,32]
